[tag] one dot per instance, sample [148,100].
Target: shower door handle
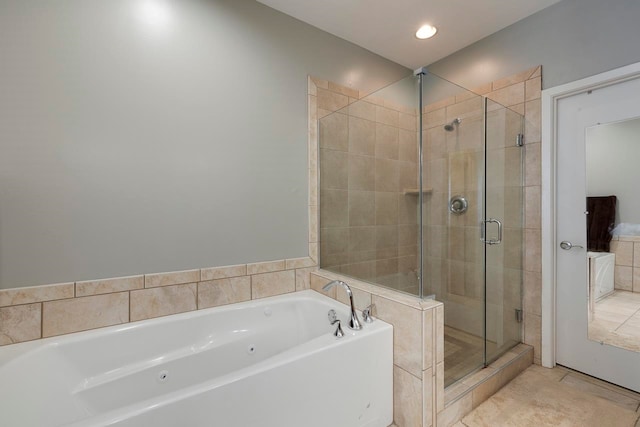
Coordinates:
[483,232]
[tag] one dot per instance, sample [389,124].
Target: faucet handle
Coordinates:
[339,333]
[367,313]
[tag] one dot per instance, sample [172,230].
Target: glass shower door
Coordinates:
[453,133]
[503,226]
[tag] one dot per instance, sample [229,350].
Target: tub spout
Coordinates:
[354,322]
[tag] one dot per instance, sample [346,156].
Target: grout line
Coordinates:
[41,320]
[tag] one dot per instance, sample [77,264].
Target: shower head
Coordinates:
[454,123]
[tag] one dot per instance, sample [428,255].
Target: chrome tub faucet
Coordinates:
[354,323]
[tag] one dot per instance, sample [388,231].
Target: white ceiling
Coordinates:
[387,27]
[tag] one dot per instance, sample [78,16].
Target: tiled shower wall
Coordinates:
[368,162]
[627,269]
[453,256]
[454,162]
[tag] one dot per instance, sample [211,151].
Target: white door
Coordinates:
[575,114]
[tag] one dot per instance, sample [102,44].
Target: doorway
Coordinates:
[587,303]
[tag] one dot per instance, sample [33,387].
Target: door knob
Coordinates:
[567,246]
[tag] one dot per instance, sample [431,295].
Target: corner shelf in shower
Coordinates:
[416,191]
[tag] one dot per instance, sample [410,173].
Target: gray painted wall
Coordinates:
[571,39]
[137,139]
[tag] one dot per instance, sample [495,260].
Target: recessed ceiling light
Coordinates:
[426,31]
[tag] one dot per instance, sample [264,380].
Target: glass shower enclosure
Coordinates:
[421,191]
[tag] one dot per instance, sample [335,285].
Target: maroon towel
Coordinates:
[600,221]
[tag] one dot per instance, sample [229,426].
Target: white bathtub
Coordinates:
[271,362]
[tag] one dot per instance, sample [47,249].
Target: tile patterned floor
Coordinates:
[558,397]
[616,320]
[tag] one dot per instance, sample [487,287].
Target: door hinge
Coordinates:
[519,140]
[518,315]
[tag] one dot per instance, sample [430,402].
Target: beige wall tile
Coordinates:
[428,339]
[363,110]
[16,296]
[361,299]
[214,273]
[624,252]
[361,208]
[333,241]
[303,278]
[407,209]
[485,390]
[434,118]
[172,278]
[386,142]
[537,72]
[513,79]
[313,251]
[318,282]
[294,263]
[312,89]
[509,95]
[532,292]
[532,250]
[533,332]
[324,84]
[440,386]
[265,267]
[361,174]
[408,145]
[333,169]
[269,284]
[362,239]
[428,394]
[465,109]
[334,208]
[80,314]
[373,99]
[408,122]
[387,175]
[533,89]
[314,185]
[334,87]
[334,132]
[331,101]
[532,207]
[387,116]
[314,218]
[636,279]
[408,176]
[163,301]
[20,323]
[106,286]
[636,255]
[386,208]
[533,121]
[623,278]
[407,333]
[532,164]
[362,136]
[439,334]
[387,237]
[407,398]
[439,104]
[455,411]
[224,291]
